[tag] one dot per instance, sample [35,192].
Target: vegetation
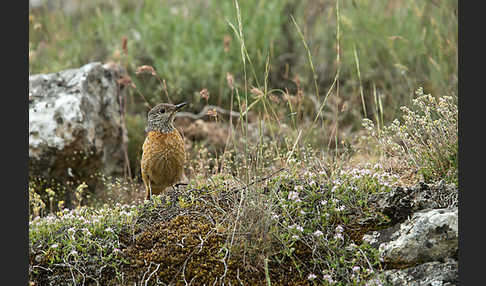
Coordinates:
[278,194]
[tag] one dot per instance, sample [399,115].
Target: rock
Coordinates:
[75,123]
[430,235]
[427,274]
[376,238]
[400,203]
[421,248]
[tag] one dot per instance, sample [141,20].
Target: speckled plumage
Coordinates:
[163,155]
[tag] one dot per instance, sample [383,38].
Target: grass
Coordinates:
[192,46]
[284,198]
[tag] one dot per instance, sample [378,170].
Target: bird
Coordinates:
[164,155]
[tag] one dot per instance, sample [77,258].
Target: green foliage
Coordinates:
[400,45]
[183,41]
[316,213]
[426,139]
[84,241]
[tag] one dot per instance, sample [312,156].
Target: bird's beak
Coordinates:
[180,105]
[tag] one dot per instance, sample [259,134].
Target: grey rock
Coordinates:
[401,203]
[75,123]
[376,238]
[430,235]
[427,274]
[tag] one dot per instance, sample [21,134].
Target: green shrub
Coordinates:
[426,139]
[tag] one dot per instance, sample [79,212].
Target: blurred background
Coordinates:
[387,49]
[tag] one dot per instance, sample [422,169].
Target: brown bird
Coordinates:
[163,155]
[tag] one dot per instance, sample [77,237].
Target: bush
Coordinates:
[427,138]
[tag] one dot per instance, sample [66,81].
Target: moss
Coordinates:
[191,246]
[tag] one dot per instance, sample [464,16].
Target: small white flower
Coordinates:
[71,230]
[295,237]
[337,182]
[108,229]
[311,276]
[340,208]
[328,278]
[86,232]
[312,183]
[339,236]
[297,227]
[124,213]
[73,252]
[294,196]
[324,202]
[298,188]
[318,233]
[70,172]
[302,212]
[356,268]
[55,245]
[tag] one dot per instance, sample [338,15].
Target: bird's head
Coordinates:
[161,117]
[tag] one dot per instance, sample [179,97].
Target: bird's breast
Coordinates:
[163,156]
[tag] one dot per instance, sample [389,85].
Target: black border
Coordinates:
[15,142]
[471,77]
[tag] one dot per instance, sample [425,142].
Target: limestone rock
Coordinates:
[401,203]
[75,123]
[430,235]
[427,274]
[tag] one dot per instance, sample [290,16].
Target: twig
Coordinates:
[366,258]
[258,180]
[148,279]
[267,275]
[124,138]
[205,110]
[238,276]
[295,145]
[156,269]
[224,262]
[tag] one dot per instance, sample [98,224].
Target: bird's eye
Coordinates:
[161,111]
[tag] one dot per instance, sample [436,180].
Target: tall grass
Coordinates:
[400,45]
